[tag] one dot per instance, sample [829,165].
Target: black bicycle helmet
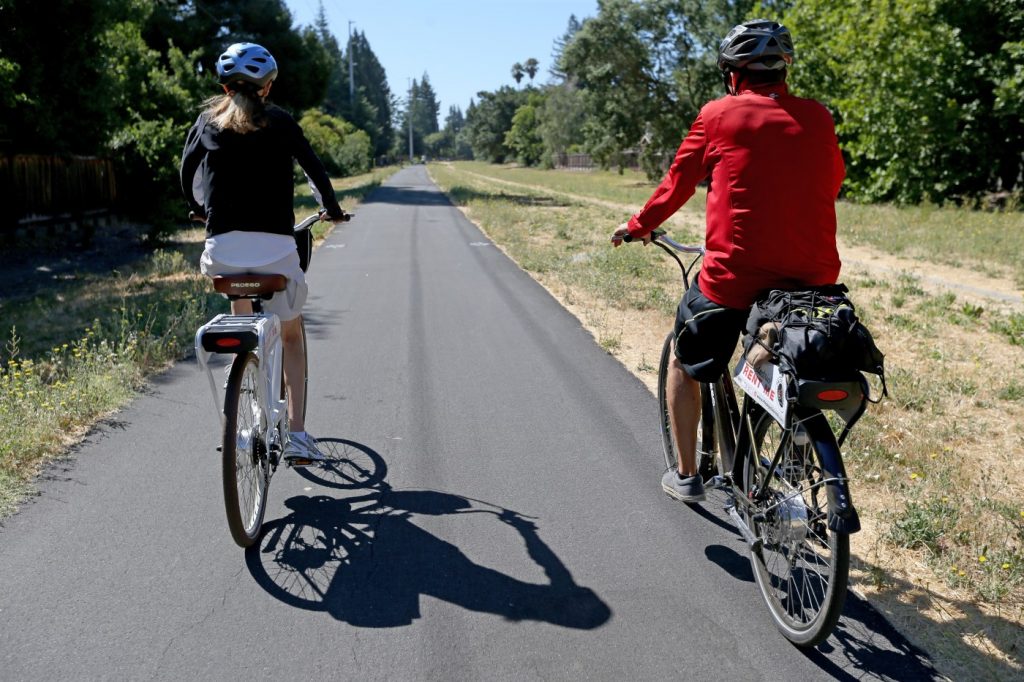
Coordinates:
[246,63]
[758,45]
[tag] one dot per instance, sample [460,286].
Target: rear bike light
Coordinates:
[232,341]
[833,395]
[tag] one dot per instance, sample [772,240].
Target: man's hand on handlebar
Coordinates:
[197,217]
[621,234]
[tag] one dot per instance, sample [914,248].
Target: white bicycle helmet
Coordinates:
[247,63]
[758,45]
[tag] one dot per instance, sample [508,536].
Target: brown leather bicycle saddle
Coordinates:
[249,284]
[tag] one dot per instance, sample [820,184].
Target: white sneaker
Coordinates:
[301,450]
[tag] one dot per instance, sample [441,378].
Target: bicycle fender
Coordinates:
[842,516]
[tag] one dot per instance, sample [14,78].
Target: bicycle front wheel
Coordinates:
[800,565]
[244,452]
[706,460]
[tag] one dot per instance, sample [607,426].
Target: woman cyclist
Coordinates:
[237,176]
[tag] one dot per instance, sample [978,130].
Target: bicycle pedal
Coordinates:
[299,462]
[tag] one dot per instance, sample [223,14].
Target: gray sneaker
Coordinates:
[690,489]
[301,451]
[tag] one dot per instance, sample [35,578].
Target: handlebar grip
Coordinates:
[627,238]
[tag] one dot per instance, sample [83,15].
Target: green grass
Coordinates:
[951,236]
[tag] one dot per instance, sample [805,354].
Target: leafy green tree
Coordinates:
[344,149]
[438,145]
[212,25]
[488,121]
[924,92]
[156,95]
[56,92]
[524,136]
[645,69]
[561,121]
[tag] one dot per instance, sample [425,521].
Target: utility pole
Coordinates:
[408,115]
[351,74]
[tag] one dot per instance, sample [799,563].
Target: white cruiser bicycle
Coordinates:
[254,414]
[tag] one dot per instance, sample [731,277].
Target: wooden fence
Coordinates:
[584,162]
[42,190]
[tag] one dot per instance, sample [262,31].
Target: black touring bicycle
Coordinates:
[776,454]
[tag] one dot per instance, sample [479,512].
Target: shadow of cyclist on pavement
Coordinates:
[364,559]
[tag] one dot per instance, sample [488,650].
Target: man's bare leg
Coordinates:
[683,395]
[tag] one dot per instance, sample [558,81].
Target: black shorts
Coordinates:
[706,334]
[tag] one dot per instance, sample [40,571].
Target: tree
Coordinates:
[524,137]
[156,95]
[920,92]
[344,149]
[423,108]
[56,90]
[531,66]
[560,45]
[372,110]
[452,141]
[561,121]
[517,72]
[488,122]
[212,25]
[654,82]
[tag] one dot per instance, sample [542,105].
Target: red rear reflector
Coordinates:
[833,395]
[228,342]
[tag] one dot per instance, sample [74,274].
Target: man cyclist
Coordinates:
[237,175]
[774,170]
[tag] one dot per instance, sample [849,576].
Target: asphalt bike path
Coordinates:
[491,508]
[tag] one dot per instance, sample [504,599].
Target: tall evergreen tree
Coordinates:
[372,110]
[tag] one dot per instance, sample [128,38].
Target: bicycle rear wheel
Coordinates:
[706,450]
[801,566]
[244,452]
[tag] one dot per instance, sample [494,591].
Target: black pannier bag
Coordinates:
[812,334]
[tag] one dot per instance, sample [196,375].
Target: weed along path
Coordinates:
[491,511]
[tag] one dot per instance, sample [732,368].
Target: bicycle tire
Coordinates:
[245,464]
[801,567]
[706,461]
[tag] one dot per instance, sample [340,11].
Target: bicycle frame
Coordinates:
[232,335]
[777,459]
[729,424]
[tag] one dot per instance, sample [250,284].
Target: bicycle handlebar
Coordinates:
[662,237]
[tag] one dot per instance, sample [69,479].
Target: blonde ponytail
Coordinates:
[239,111]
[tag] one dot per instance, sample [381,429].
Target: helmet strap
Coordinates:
[731,79]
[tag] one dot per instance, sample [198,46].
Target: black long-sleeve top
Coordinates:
[245,181]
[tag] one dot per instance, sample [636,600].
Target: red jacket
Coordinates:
[775,171]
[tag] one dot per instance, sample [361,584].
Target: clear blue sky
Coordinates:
[463,45]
